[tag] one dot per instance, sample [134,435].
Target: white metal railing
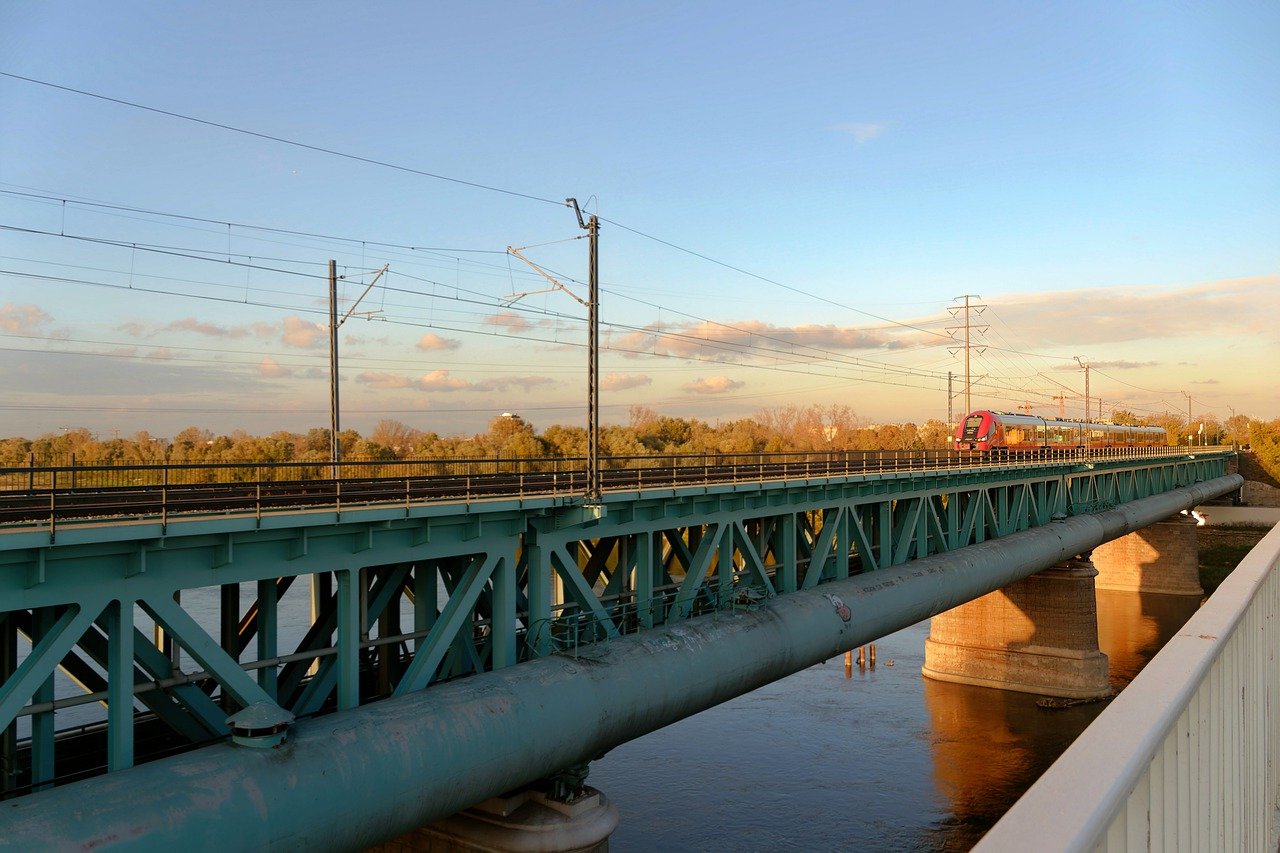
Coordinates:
[1187,757]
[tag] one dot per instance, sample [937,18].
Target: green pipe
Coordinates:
[351,779]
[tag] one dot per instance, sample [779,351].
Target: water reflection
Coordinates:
[886,760]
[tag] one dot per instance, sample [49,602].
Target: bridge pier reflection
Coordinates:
[524,820]
[1038,635]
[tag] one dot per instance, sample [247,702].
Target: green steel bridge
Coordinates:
[190,644]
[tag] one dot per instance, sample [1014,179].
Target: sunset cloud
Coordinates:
[1235,307]
[212,330]
[432,341]
[508,320]
[303,334]
[440,380]
[444,381]
[624,381]
[21,319]
[746,339]
[711,385]
[271,368]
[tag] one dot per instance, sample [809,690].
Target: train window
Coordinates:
[972,424]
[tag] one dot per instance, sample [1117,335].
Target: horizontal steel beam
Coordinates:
[354,778]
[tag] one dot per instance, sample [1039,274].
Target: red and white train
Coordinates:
[984,430]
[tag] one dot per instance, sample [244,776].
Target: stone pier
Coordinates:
[1162,558]
[1039,635]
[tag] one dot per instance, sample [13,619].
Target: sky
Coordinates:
[794,202]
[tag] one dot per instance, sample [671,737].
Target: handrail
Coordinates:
[1186,757]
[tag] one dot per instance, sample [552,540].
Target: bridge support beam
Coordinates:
[1163,558]
[1037,635]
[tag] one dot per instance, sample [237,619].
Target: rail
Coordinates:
[50,495]
[1188,756]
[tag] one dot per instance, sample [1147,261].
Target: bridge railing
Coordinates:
[1188,756]
[53,493]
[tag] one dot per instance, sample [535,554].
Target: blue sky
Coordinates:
[1105,176]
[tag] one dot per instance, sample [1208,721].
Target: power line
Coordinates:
[284,141]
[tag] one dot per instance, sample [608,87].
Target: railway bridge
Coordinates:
[328,662]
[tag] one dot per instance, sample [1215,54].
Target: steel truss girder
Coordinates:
[519,579]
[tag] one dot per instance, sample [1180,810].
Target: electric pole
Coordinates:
[951,421]
[969,329]
[1086,402]
[335,449]
[592,227]
[1189,433]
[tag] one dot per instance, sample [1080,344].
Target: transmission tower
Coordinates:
[971,311]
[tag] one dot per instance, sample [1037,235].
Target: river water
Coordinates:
[882,760]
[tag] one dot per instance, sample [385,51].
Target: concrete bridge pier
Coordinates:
[540,818]
[1162,557]
[1038,635]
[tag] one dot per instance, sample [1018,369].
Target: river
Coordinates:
[883,759]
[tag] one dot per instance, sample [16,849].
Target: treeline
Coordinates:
[790,428]
[832,427]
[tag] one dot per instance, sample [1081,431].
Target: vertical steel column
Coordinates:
[321,592]
[785,548]
[426,600]
[9,736]
[42,724]
[229,630]
[540,584]
[724,565]
[648,565]
[844,543]
[348,642]
[268,610]
[502,625]
[119,619]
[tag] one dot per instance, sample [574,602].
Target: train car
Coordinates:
[985,430]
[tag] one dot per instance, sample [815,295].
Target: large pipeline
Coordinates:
[351,779]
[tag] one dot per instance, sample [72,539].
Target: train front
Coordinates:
[978,431]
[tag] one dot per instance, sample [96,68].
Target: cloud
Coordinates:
[1205,382]
[272,369]
[357,340]
[503,383]
[431,341]
[440,380]
[161,354]
[862,132]
[711,385]
[623,381]
[444,381]
[303,334]
[746,339]
[1107,365]
[376,379]
[1233,308]
[212,330]
[21,319]
[509,320]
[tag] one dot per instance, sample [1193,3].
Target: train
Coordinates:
[1004,431]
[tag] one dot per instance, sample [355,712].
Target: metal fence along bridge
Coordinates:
[182,645]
